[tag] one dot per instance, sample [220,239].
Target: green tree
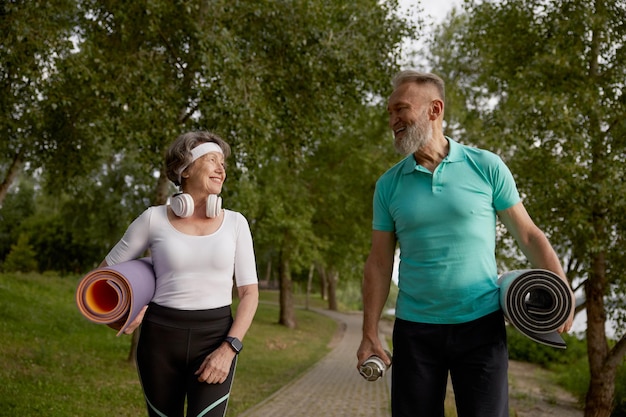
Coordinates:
[342,175]
[18,205]
[33,36]
[276,79]
[21,258]
[316,66]
[542,84]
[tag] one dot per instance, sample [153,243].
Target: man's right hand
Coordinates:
[371,347]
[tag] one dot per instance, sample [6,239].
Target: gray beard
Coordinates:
[415,137]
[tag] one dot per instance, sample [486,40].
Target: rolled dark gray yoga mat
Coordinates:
[536,302]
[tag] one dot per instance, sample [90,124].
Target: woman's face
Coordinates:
[207,174]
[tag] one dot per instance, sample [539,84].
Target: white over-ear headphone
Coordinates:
[182,205]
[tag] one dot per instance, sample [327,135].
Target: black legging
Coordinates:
[172,345]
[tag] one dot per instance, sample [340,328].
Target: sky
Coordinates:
[433,12]
[436,9]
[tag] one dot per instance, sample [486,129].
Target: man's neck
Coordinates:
[431,155]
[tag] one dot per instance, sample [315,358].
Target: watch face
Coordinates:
[235,343]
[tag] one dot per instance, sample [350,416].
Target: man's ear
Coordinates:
[436,109]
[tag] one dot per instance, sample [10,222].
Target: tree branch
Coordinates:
[14,169]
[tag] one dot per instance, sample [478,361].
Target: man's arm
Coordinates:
[535,246]
[376,282]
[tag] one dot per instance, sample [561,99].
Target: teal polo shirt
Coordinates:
[445,223]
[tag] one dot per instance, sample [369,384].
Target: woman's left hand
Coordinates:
[216,366]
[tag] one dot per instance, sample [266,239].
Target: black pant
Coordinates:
[474,353]
[172,345]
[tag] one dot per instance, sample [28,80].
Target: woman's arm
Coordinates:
[248,303]
[216,366]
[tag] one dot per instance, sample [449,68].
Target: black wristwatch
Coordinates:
[235,343]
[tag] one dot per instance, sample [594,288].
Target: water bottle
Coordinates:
[374,367]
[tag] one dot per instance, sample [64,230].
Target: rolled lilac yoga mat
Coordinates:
[536,302]
[116,293]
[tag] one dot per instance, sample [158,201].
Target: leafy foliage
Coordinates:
[532,78]
[21,258]
[33,36]
[18,205]
[522,348]
[287,83]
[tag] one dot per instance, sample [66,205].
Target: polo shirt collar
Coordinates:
[455,154]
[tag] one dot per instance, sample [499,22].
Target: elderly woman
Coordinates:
[189,342]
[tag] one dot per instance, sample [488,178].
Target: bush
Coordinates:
[570,365]
[524,349]
[60,247]
[22,257]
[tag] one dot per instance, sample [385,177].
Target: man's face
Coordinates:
[408,118]
[415,137]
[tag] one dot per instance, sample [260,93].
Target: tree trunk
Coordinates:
[268,271]
[601,393]
[309,285]
[599,398]
[287,313]
[333,279]
[602,362]
[14,169]
[323,281]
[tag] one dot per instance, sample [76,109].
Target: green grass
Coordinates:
[55,363]
[277,354]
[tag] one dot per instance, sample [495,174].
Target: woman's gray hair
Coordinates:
[412,76]
[178,156]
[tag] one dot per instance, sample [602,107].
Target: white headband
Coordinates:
[199,151]
[203,149]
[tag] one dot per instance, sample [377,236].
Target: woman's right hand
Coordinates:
[135,323]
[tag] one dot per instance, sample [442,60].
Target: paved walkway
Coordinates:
[333,387]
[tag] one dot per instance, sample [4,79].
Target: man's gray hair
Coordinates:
[412,76]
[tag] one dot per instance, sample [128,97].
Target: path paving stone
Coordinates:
[332,387]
